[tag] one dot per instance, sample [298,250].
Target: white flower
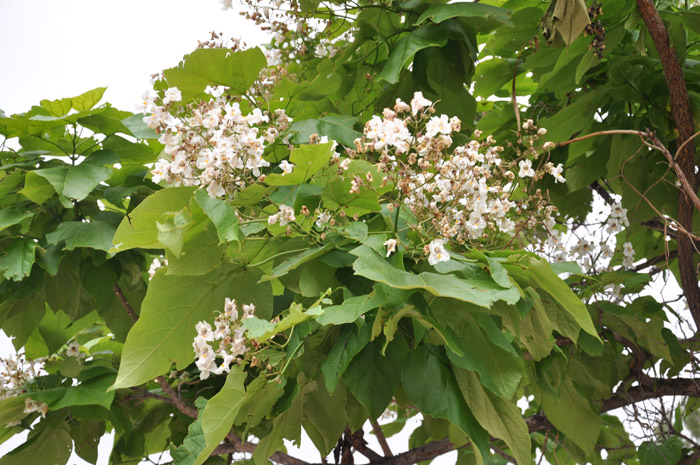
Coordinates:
[226,364]
[273,219]
[248,310]
[542,131]
[419,102]
[556,172]
[345,164]
[172,94]
[525,169]
[286,215]
[437,126]
[437,252]
[222,330]
[204,331]
[73,349]
[323,219]
[390,245]
[286,167]
[230,309]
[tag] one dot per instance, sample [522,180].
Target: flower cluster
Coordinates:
[215,143]
[15,373]
[227,330]
[461,194]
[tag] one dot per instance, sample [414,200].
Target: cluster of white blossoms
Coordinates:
[229,334]
[16,372]
[214,144]
[284,216]
[460,194]
[592,245]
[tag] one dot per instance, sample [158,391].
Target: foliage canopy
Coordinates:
[396,208]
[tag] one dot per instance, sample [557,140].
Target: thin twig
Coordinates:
[125,303]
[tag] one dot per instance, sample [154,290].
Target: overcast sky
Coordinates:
[54,49]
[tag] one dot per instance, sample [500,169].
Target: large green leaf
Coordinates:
[140,228]
[95,235]
[666,452]
[18,258]
[484,14]
[324,417]
[432,387]
[498,416]
[373,378]
[430,35]
[222,215]
[194,443]
[37,188]
[170,311]
[351,309]
[307,160]
[543,275]
[351,341]
[572,415]
[216,67]
[373,266]
[10,217]
[76,182]
[221,411]
[336,127]
[261,396]
[52,445]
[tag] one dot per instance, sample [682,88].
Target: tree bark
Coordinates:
[683,119]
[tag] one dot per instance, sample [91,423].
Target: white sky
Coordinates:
[54,49]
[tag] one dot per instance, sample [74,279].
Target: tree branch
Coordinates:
[377,429]
[683,119]
[125,303]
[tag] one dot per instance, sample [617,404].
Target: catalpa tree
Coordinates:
[474,214]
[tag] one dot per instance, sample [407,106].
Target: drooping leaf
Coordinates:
[52,445]
[426,36]
[373,266]
[485,14]
[498,416]
[221,411]
[423,376]
[222,215]
[95,235]
[76,182]
[18,258]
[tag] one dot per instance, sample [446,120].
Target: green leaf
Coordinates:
[11,216]
[536,329]
[222,215]
[298,260]
[140,228]
[296,316]
[37,188]
[542,274]
[483,13]
[373,378]
[575,117]
[18,258]
[285,426]
[95,235]
[666,452]
[86,101]
[11,410]
[221,411]
[569,17]
[324,417]
[52,446]
[91,392]
[416,40]
[138,128]
[261,396]
[502,419]
[216,67]
[432,387]
[194,442]
[59,107]
[76,182]
[336,127]
[307,160]
[172,307]
[500,369]
[351,309]
[373,266]
[350,342]
[572,415]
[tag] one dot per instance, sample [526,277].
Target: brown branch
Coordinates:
[691,459]
[633,132]
[360,445]
[683,119]
[380,437]
[176,400]
[125,303]
[600,190]
[653,388]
